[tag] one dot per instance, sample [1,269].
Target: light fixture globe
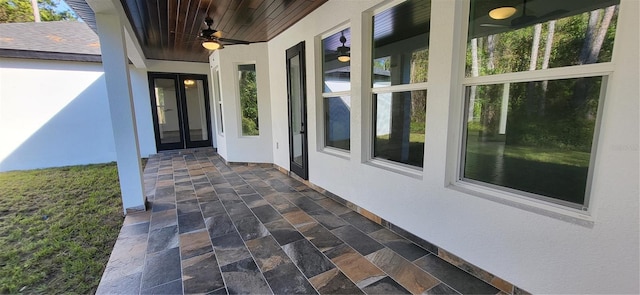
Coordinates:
[212,44]
[344,52]
[502,12]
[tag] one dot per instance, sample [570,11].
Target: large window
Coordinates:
[336,83]
[399,72]
[248,91]
[532,132]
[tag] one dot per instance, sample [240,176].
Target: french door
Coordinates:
[297,101]
[180,107]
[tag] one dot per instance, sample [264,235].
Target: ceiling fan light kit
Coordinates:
[212,45]
[212,39]
[344,52]
[502,12]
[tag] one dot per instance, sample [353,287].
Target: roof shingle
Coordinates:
[60,37]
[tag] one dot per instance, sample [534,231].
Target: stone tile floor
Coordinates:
[217,229]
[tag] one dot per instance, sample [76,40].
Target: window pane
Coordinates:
[196,110]
[400,44]
[248,99]
[549,34]
[216,86]
[337,120]
[400,126]
[167,108]
[336,62]
[534,137]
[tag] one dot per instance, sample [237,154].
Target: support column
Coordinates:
[125,134]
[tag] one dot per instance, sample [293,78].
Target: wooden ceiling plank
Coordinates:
[261,26]
[292,20]
[258,16]
[286,14]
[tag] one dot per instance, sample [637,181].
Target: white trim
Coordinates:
[340,153]
[334,94]
[238,100]
[579,71]
[385,5]
[401,88]
[397,167]
[526,203]
[337,29]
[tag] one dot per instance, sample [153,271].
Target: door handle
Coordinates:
[302,131]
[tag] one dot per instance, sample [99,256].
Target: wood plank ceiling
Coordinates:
[168,29]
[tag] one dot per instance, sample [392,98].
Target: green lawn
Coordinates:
[57,228]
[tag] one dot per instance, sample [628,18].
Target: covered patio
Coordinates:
[219,229]
[378,146]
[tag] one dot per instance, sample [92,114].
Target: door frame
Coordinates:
[302,171]
[183,122]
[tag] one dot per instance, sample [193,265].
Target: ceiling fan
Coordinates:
[524,19]
[212,39]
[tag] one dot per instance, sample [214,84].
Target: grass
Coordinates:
[57,228]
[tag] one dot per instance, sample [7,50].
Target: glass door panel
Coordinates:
[196,110]
[167,109]
[181,113]
[297,110]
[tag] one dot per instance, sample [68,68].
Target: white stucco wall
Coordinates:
[53,114]
[56,113]
[239,148]
[534,250]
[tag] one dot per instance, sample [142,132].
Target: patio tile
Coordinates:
[320,237]
[357,240]
[238,211]
[334,282]
[173,287]
[260,231]
[160,268]
[266,213]
[267,253]
[201,274]
[244,277]
[219,225]
[194,244]
[333,206]
[163,239]
[441,289]
[212,208]
[121,285]
[328,220]
[355,266]
[157,206]
[251,228]
[361,222]
[385,286]
[163,219]
[230,248]
[298,218]
[135,218]
[309,259]
[403,271]
[287,279]
[190,222]
[406,249]
[188,206]
[254,200]
[283,232]
[454,277]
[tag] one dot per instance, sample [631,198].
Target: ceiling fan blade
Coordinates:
[234,41]
[217,34]
[494,26]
